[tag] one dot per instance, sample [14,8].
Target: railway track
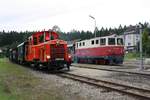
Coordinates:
[143,94]
[114,70]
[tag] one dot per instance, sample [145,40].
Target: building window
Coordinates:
[129,37]
[103,41]
[129,44]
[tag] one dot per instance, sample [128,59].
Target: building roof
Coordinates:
[132,30]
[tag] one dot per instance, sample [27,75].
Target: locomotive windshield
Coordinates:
[41,38]
[35,40]
[111,41]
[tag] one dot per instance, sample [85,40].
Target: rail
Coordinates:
[126,89]
[114,70]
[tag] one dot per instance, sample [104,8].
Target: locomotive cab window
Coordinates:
[119,41]
[51,37]
[35,40]
[103,41]
[41,38]
[111,41]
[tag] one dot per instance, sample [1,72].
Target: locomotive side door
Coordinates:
[42,52]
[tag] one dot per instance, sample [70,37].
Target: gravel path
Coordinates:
[73,90]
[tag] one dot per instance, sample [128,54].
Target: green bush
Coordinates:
[132,55]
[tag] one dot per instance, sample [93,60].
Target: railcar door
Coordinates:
[26,52]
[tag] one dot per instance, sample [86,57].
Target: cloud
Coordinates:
[71,14]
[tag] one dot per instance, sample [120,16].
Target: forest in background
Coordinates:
[12,38]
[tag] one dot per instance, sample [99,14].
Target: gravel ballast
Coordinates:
[74,90]
[141,81]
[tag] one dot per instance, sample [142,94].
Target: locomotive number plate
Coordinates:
[59,59]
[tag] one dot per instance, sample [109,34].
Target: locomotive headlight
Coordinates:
[48,57]
[69,56]
[57,42]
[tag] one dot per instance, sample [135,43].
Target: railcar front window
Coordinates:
[119,41]
[111,41]
[102,41]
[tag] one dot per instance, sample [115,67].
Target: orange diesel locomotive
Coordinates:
[44,48]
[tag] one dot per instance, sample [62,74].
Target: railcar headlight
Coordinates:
[48,57]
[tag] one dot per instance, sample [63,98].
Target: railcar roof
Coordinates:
[110,36]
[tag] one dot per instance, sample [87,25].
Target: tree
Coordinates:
[56,28]
[146,42]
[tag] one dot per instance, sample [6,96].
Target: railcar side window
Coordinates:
[83,43]
[119,41]
[103,41]
[77,45]
[92,42]
[80,44]
[97,41]
[111,41]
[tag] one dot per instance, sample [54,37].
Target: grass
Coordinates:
[18,83]
[5,93]
[129,56]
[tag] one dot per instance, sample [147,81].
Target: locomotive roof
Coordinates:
[42,32]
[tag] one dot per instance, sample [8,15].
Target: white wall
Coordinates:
[131,40]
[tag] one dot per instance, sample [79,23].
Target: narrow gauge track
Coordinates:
[143,94]
[112,70]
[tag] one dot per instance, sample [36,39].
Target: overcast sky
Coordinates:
[22,15]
